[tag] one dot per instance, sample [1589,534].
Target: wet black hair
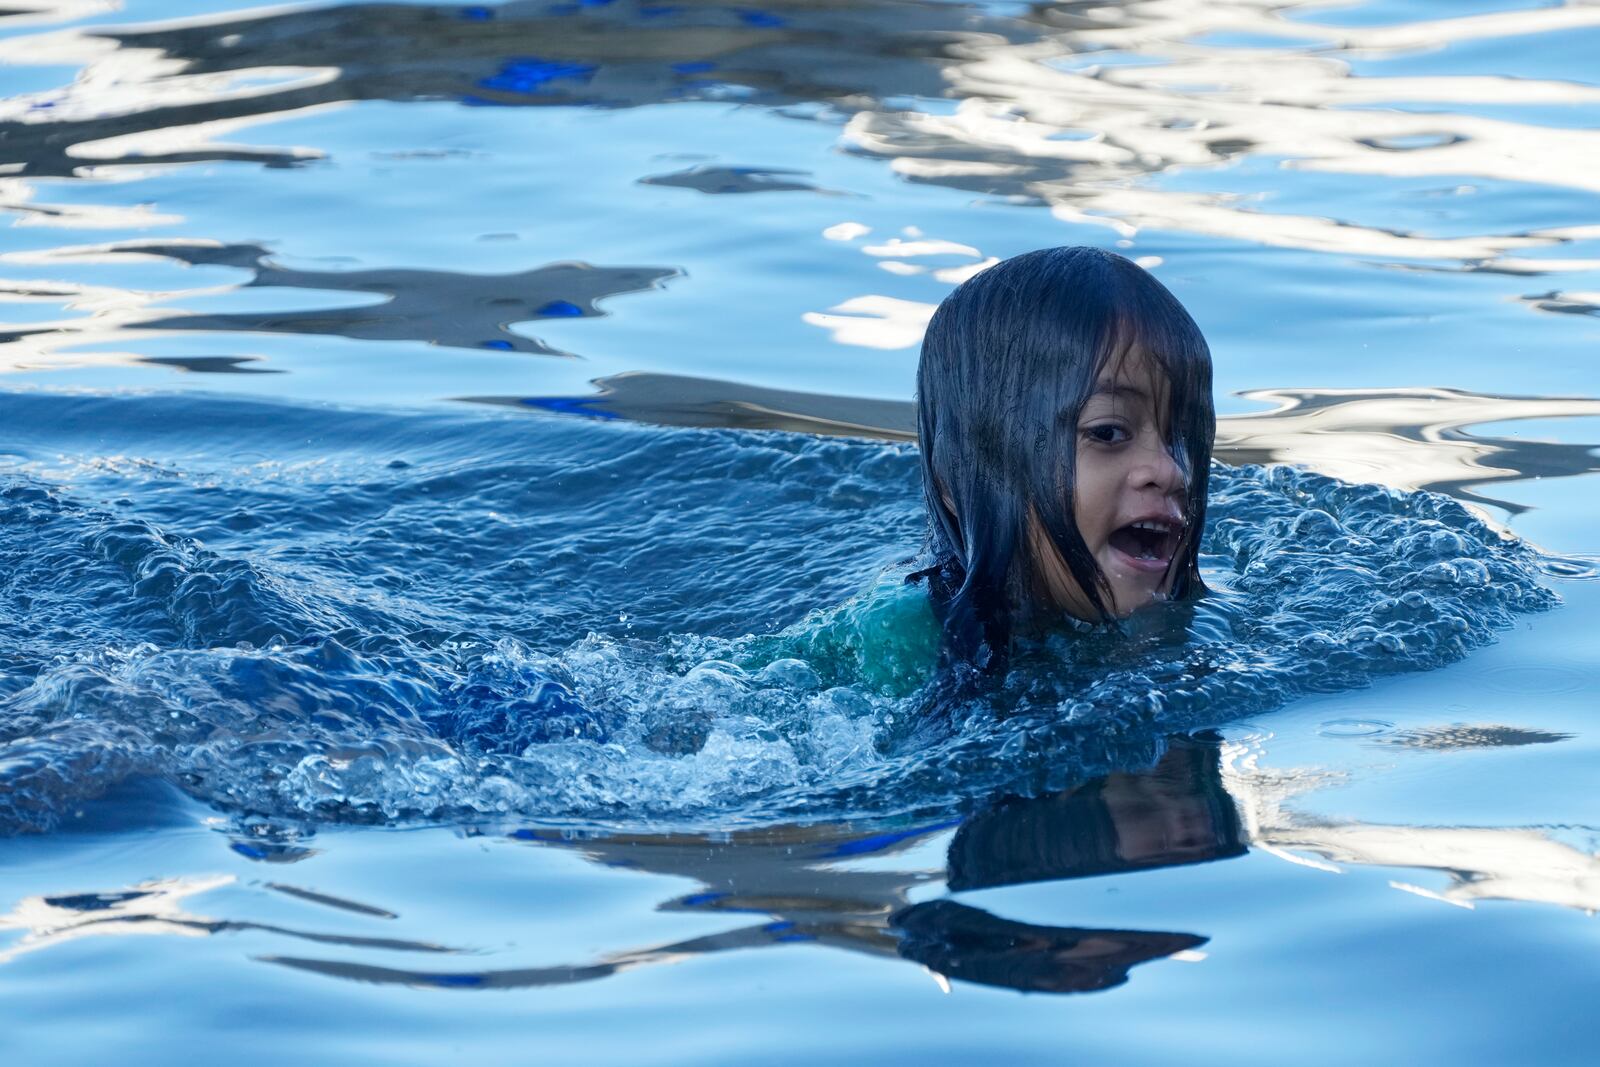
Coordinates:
[1008,362]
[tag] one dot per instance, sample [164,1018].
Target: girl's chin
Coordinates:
[1131,596]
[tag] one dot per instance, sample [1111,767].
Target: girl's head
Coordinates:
[1066,423]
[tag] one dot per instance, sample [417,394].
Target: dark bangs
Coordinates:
[1008,362]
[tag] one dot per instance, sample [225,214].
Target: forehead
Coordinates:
[1133,374]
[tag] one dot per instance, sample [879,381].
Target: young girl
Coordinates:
[1065,421]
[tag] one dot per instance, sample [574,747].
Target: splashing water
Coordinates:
[451,618]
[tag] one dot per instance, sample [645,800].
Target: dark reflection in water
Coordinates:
[1406,438]
[210,364]
[807,888]
[1460,736]
[435,306]
[1566,303]
[331,901]
[961,942]
[160,906]
[1174,813]
[733,180]
[680,400]
[846,888]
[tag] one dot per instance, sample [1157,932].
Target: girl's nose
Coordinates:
[1160,470]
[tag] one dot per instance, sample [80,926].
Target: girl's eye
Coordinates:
[1106,433]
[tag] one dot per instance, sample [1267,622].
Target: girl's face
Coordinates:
[1128,494]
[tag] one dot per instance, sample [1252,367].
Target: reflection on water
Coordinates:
[1465,736]
[1480,863]
[678,400]
[1566,303]
[1405,438]
[1084,110]
[867,890]
[159,907]
[437,307]
[1047,105]
[1408,438]
[733,180]
[211,364]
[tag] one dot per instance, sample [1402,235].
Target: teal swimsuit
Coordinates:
[884,639]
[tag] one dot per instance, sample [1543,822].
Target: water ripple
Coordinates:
[394,631]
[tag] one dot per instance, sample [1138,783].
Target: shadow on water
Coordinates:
[853,889]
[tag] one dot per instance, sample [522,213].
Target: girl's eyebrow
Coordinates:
[1112,389]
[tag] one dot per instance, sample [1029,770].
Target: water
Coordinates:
[515,621]
[420,419]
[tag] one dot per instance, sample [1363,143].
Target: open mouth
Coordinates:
[1149,541]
